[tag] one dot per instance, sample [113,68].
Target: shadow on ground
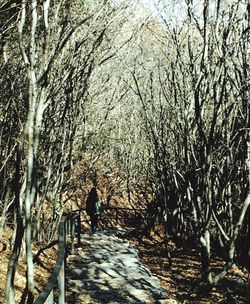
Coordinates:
[108,270]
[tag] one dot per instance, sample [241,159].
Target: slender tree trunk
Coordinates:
[6,205]
[10,292]
[30,186]
[205,257]
[167,251]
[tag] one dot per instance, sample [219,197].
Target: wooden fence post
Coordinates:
[79,228]
[73,226]
[61,285]
[57,278]
[68,226]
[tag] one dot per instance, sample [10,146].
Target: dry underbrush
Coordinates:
[183,282]
[43,266]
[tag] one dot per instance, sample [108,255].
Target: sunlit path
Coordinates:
[109,271]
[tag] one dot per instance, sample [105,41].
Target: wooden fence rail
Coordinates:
[115,213]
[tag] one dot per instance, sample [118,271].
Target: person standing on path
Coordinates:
[93,209]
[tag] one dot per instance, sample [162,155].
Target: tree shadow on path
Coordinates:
[109,271]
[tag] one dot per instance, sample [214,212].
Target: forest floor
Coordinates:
[183,282]
[44,261]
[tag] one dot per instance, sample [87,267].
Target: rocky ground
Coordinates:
[108,270]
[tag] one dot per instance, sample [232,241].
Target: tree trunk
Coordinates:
[10,292]
[205,257]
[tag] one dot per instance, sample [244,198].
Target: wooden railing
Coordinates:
[56,281]
[114,214]
[70,226]
[118,214]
